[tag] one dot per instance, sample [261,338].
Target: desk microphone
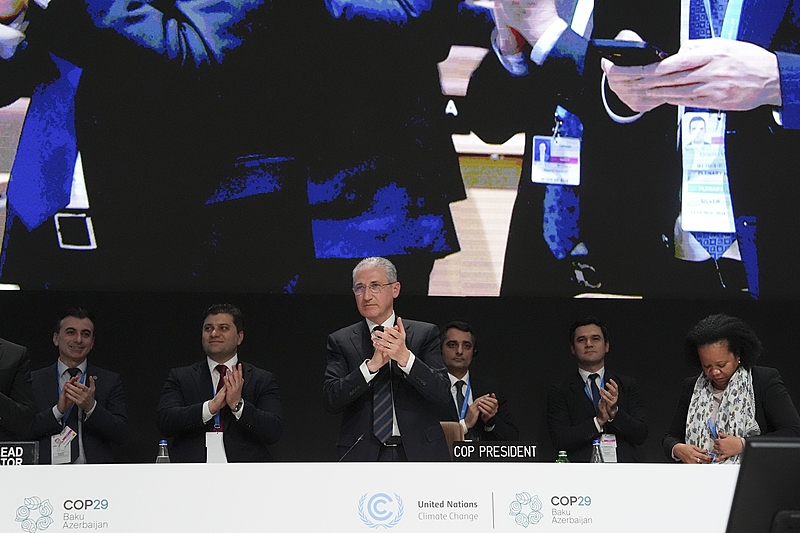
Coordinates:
[350,449]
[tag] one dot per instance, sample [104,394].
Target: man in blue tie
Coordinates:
[385,375]
[730,59]
[595,403]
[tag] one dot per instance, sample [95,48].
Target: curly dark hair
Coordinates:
[742,340]
[216,309]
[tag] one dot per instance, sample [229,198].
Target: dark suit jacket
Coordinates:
[107,426]
[180,415]
[16,396]
[144,111]
[417,396]
[775,413]
[570,419]
[504,428]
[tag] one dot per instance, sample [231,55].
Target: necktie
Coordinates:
[700,27]
[594,389]
[73,421]
[459,396]
[41,177]
[223,412]
[382,404]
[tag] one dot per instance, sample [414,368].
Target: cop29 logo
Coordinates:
[34,515]
[380,510]
[526,509]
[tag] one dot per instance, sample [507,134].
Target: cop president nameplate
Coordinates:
[487,451]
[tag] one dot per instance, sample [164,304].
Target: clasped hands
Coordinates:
[76,393]
[607,407]
[231,391]
[484,407]
[725,446]
[389,344]
[721,74]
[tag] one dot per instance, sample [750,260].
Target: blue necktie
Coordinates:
[700,28]
[41,177]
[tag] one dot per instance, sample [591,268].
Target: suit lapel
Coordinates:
[248,383]
[760,20]
[579,389]
[50,385]
[204,387]
[360,337]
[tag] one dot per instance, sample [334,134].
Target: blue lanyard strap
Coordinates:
[465,403]
[730,22]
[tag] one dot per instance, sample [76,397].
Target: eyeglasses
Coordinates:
[374,288]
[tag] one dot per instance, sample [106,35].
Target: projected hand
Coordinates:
[710,73]
[11,8]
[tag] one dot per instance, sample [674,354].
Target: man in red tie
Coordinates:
[219,409]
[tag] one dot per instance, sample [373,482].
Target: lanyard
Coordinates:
[216,415]
[581,16]
[81,380]
[465,403]
[730,23]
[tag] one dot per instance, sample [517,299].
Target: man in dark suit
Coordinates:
[477,405]
[385,375]
[80,407]
[16,397]
[220,405]
[595,403]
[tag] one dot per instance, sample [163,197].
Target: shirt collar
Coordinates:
[62,368]
[585,374]
[230,363]
[388,323]
[454,379]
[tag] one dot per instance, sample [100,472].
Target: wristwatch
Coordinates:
[238,406]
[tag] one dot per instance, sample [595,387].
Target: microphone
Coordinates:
[350,449]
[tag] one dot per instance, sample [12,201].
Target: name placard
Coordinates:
[486,451]
[19,453]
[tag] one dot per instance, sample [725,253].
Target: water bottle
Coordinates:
[597,455]
[163,453]
[562,457]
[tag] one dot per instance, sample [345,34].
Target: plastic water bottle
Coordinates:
[163,453]
[597,455]
[562,457]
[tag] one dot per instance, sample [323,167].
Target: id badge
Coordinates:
[215,447]
[556,160]
[608,447]
[60,446]
[705,195]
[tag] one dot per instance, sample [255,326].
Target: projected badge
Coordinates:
[556,160]
[705,195]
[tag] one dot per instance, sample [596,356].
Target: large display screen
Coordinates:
[267,146]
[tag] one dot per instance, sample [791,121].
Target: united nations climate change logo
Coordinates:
[519,509]
[34,515]
[380,510]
